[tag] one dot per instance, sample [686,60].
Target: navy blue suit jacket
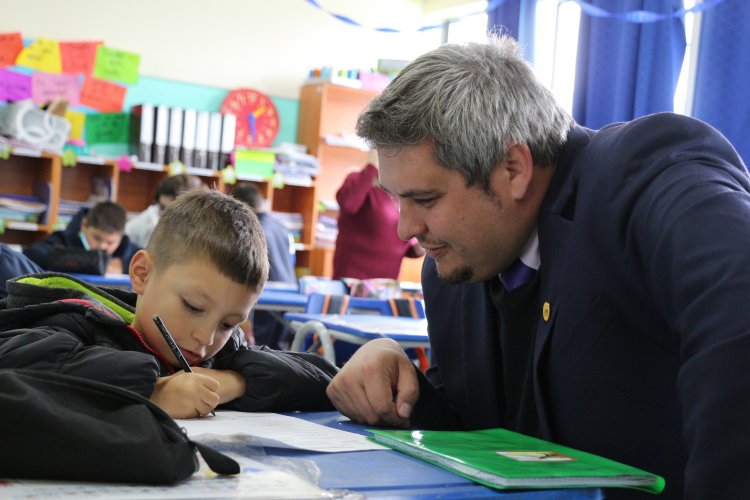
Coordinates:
[645,263]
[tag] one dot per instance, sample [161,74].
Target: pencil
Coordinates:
[173,346]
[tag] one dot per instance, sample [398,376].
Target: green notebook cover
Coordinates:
[500,458]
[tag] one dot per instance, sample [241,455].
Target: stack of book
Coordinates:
[297,168]
[254,164]
[19,208]
[326,231]
[293,222]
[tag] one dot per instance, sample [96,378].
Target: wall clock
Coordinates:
[257,117]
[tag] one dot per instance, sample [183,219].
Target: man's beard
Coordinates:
[460,275]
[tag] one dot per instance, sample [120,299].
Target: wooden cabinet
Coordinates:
[331,110]
[25,174]
[327,110]
[33,174]
[296,199]
[42,174]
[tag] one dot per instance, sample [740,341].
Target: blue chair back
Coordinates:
[321,303]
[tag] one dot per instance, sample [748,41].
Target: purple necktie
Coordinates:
[516,275]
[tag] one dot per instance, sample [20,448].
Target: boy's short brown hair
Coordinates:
[209,224]
[107,216]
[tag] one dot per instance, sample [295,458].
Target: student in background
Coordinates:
[280,242]
[267,328]
[585,286]
[13,264]
[367,244]
[140,227]
[201,272]
[92,243]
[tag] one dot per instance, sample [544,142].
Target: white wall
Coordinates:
[269,45]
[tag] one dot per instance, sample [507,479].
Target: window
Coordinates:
[683,96]
[556,46]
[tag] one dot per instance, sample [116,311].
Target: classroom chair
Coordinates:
[319,303]
[320,284]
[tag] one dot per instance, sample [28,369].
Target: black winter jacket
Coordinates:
[55,322]
[52,252]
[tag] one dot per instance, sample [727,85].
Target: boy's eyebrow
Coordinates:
[230,315]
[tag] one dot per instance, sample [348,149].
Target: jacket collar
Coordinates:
[42,288]
[553,226]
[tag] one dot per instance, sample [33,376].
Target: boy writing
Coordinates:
[201,272]
[92,243]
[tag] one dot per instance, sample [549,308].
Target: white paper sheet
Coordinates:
[256,481]
[272,429]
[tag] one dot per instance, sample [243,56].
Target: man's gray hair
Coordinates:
[471,101]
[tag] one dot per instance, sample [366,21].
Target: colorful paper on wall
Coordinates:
[46,87]
[107,128]
[43,54]
[117,65]
[10,46]
[101,95]
[77,121]
[14,86]
[78,57]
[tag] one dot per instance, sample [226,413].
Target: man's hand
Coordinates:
[186,395]
[377,386]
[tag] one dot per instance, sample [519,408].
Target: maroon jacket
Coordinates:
[367,245]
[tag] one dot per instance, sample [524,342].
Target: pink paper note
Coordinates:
[48,86]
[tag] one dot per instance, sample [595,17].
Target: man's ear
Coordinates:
[141,269]
[520,168]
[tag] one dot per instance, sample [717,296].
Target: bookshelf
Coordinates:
[133,189]
[331,110]
[27,174]
[328,110]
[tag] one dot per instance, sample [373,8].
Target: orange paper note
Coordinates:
[78,57]
[102,95]
[10,46]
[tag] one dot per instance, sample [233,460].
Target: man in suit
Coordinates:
[627,336]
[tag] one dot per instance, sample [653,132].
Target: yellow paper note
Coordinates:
[77,121]
[43,54]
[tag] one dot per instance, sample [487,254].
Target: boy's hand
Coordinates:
[115,266]
[231,383]
[186,395]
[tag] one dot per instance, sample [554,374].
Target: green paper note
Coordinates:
[107,128]
[500,458]
[117,65]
